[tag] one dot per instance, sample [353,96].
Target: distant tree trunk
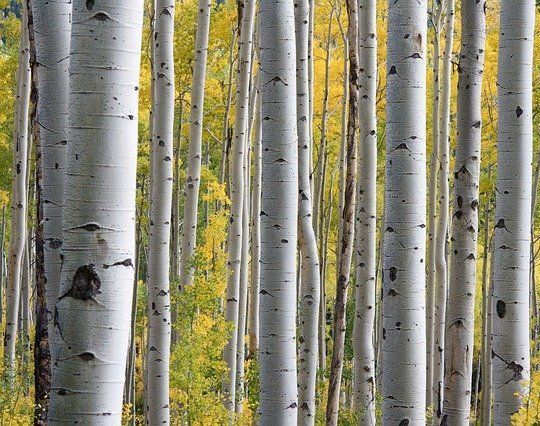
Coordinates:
[255,233]
[191,204]
[404,338]
[432,203]
[18,198]
[366,217]
[347,216]
[511,358]
[459,333]
[279,210]
[309,294]
[92,313]
[2,237]
[237,183]
[533,302]
[159,300]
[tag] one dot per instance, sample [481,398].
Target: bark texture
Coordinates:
[510,352]
[404,339]
[279,210]
[92,313]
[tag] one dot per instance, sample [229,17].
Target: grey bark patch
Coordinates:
[501,308]
[55,243]
[85,285]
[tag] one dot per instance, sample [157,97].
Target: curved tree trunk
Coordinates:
[404,338]
[347,217]
[191,204]
[366,217]
[309,295]
[279,210]
[159,300]
[237,183]
[18,198]
[432,204]
[92,313]
[511,359]
[459,334]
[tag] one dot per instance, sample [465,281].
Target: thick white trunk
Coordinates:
[237,183]
[191,205]
[18,198]
[366,217]
[159,301]
[404,338]
[92,313]
[309,295]
[511,359]
[279,210]
[459,333]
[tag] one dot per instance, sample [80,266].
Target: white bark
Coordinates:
[18,198]
[432,204]
[511,359]
[441,237]
[159,309]
[309,296]
[279,210]
[366,217]
[92,313]
[52,40]
[191,204]
[459,333]
[404,339]
[237,183]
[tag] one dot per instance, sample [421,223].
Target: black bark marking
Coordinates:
[393,273]
[519,111]
[55,243]
[101,16]
[501,224]
[125,262]
[392,70]
[89,4]
[404,422]
[86,284]
[87,356]
[501,308]
[92,227]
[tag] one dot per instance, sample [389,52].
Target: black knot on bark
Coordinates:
[85,284]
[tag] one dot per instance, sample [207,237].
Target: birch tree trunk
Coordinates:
[441,237]
[237,183]
[159,301]
[404,337]
[18,198]
[347,217]
[279,210]
[366,217]
[191,204]
[92,313]
[511,359]
[459,333]
[432,204]
[309,297]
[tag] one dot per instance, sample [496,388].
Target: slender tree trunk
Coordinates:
[347,216]
[191,205]
[366,218]
[279,210]
[255,233]
[92,313]
[404,337]
[310,286]
[432,204]
[459,333]
[533,302]
[2,237]
[487,359]
[159,313]
[237,183]
[18,198]
[511,359]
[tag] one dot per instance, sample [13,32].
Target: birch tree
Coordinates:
[459,334]
[347,218]
[366,214]
[310,278]
[18,197]
[404,358]
[510,351]
[191,204]
[159,301]
[237,183]
[92,312]
[279,210]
